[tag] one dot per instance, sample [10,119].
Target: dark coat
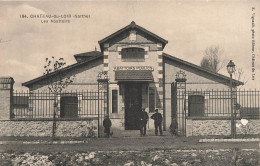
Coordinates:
[107,123]
[143,116]
[157,117]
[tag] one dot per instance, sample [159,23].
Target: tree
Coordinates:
[211,59]
[56,83]
[239,75]
[61,80]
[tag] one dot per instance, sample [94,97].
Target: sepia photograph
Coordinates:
[131,83]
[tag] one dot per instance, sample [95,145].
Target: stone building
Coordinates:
[140,76]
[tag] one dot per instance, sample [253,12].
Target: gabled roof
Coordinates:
[86,55]
[28,83]
[227,79]
[91,53]
[132,25]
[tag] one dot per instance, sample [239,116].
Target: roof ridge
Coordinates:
[89,52]
[60,70]
[132,25]
[200,68]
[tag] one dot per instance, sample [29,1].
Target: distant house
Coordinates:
[140,76]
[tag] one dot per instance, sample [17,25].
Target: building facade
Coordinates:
[140,76]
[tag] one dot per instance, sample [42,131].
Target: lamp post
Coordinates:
[231,69]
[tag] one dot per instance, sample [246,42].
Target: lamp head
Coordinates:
[231,67]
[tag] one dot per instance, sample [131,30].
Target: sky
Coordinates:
[189,26]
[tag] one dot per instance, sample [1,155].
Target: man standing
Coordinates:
[157,117]
[107,124]
[143,121]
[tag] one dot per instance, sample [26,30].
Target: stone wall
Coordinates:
[211,127]
[85,128]
[5,104]
[220,127]
[253,127]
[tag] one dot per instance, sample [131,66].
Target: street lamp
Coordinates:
[231,69]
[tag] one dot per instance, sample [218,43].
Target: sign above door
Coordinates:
[116,68]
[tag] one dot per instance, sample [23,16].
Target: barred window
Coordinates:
[249,112]
[69,107]
[196,105]
[133,55]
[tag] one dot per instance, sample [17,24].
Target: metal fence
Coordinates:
[69,104]
[246,103]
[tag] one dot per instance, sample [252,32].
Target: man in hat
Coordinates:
[107,124]
[143,121]
[157,117]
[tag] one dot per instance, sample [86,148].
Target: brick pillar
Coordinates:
[6,97]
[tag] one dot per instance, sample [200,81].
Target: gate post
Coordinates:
[6,98]
[103,84]
[181,110]
[174,124]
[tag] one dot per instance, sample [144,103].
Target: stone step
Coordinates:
[134,133]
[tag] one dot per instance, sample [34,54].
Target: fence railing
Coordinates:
[90,104]
[246,103]
[69,104]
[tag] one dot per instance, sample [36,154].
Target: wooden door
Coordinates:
[133,105]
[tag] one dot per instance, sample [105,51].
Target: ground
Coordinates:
[129,144]
[135,150]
